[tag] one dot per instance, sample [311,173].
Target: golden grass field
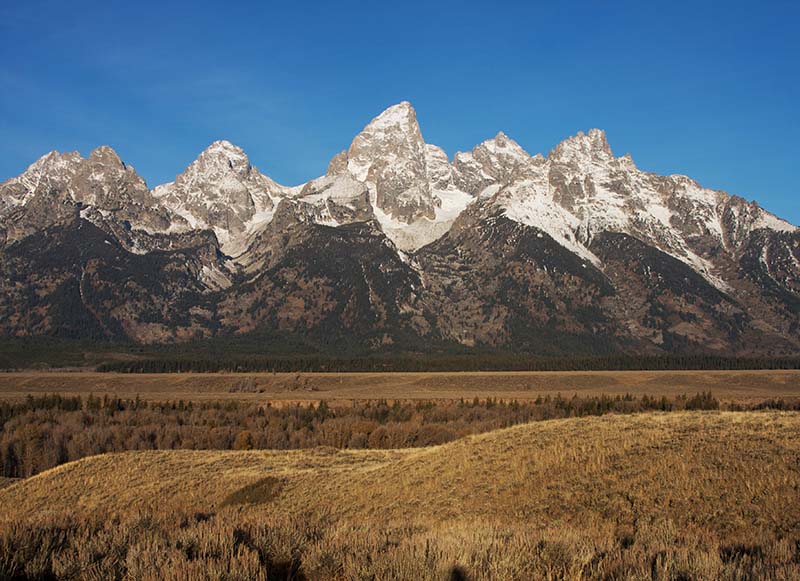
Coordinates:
[731,472]
[683,495]
[728,386]
[680,495]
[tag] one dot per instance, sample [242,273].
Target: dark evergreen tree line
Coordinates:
[478,362]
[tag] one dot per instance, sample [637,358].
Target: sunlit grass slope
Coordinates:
[733,473]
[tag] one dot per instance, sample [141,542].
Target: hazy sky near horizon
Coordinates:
[707,89]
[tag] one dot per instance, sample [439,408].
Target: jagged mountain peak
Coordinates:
[503,140]
[394,135]
[589,146]
[51,172]
[626,161]
[501,146]
[105,169]
[50,158]
[390,154]
[222,191]
[100,188]
[104,163]
[496,161]
[220,158]
[221,167]
[105,153]
[53,162]
[224,147]
[401,115]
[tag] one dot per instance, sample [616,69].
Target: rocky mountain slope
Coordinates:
[397,246]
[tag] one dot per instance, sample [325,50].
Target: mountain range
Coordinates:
[399,246]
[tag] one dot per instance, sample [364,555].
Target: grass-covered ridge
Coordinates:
[693,495]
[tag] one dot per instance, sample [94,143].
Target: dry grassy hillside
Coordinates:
[731,472]
[654,493]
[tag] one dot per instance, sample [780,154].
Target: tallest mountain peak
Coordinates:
[401,107]
[402,114]
[390,154]
[394,134]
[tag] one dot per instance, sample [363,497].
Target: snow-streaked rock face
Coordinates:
[439,170]
[51,172]
[499,160]
[583,149]
[221,191]
[409,184]
[390,153]
[335,200]
[581,190]
[101,188]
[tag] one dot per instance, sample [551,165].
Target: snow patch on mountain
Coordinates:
[528,202]
[772,222]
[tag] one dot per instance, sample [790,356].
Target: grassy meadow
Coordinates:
[742,386]
[651,495]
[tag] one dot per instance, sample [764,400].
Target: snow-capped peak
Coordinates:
[503,153]
[499,160]
[222,191]
[590,146]
[220,158]
[52,164]
[502,145]
[393,136]
[390,156]
[390,174]
[52,171]
[400,115]
[105,152]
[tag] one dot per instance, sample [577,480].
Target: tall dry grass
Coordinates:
[234,545]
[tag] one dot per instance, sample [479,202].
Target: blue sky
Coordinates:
[708,89]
